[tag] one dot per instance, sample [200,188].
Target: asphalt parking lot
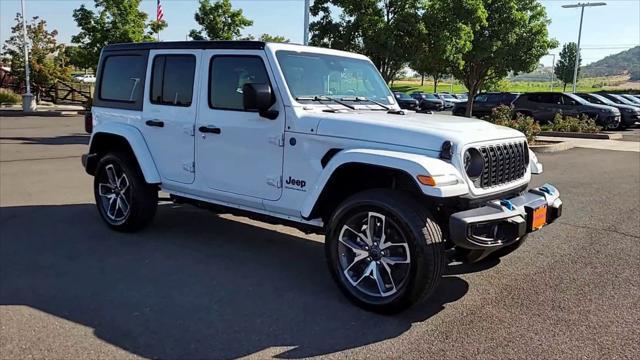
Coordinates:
[197,285]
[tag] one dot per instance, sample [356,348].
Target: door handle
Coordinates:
[156,123]
[209,129]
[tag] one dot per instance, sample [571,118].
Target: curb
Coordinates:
[598,136]
[551,148]
[47,113]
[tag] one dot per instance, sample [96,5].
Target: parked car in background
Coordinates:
[484,103]
[405,101]
[449,100]
[428,101]
[463,97]
[618,99]
[543,107]
[87,78]
[629,114]
[631,98]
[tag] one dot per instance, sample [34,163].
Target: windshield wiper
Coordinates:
[365,99]
[322,98]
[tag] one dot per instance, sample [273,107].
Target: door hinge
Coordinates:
[275,182]
[189,166]
[190,130]
[277,140]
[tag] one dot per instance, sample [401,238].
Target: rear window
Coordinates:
[123,78]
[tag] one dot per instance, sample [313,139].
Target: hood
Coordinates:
[424,131]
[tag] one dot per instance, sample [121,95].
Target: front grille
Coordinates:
[503,163]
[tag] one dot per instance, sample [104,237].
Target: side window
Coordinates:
[122,78]
[568,101]
[551,99]
[481,98]
[227,76]
[172,80]
[494,98]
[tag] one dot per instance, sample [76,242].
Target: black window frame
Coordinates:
[151,78]
[209,98]
[136,104]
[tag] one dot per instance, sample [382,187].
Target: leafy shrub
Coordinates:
[503,115]
[584,124]
[9,97]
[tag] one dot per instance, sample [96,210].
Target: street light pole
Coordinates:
[307,4]
[27,98]
[582,6]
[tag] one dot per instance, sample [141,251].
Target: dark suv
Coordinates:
[543,107]
[428,101]
[405,101]
[484,103]
[630,114]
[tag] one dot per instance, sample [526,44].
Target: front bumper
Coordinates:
[629,119]
[502,222]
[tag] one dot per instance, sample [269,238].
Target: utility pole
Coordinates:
[553,68]
[28,103]
[581,6]
[307,4]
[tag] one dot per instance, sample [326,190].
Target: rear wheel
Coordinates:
[124,200]
[384,250]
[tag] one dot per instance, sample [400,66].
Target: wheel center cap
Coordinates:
[375,253]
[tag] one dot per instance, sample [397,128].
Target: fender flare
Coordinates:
[412,164]
[138,145]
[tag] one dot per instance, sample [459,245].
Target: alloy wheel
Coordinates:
[374,254]
[115,193]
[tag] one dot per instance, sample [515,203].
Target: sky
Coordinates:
[606,30]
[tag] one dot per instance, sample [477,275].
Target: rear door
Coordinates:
[170,107]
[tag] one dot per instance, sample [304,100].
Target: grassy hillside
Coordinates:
[626,62]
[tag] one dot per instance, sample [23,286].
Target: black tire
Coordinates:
[459,112]
[405,221]
[141,198]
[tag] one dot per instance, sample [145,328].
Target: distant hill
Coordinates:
[626,62]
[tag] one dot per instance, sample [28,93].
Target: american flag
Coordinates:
[160,12]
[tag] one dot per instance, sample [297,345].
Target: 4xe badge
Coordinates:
[295,184]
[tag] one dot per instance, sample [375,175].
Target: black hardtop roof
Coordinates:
[195,44]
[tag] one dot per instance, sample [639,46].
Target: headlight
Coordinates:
[473,163]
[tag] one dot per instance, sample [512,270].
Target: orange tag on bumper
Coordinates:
[539,218]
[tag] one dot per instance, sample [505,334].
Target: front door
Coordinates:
[238,152]
[170,111]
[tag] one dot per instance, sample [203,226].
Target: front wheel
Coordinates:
[384,250]
[124,200]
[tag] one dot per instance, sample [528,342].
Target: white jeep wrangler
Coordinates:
[311,138]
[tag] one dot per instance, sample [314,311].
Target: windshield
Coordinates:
[429,96]
[446,96]
[602,99]
[577,98]
[310,75]
[403,96]
[621,100]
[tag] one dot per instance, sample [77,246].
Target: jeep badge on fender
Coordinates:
[393,192]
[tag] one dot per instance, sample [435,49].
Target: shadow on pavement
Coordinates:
[55,140]
[193,285]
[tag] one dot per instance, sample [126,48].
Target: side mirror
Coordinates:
[259,97]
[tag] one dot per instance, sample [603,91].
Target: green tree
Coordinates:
[156,26]
[440,42]
[219,21]
[273,38]
[113,21]
[45,61]
[566,64]
[508,36]
[384,30]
